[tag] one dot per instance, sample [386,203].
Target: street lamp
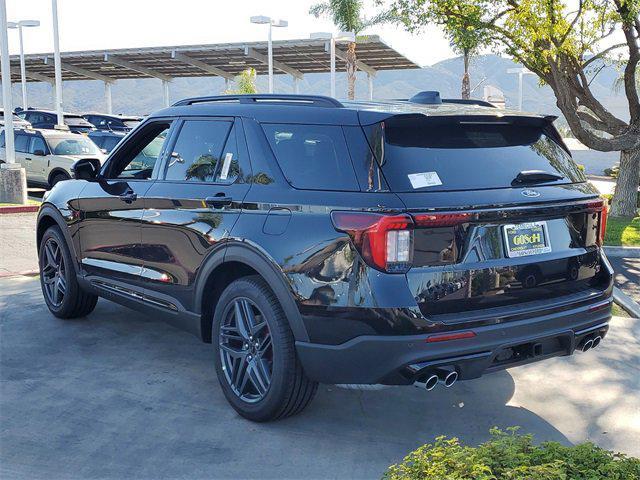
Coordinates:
[521,73]
[333,38]
[23,72]
[261,19]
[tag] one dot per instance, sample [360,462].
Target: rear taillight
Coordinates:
[441,219]
[384,241]
[600,206]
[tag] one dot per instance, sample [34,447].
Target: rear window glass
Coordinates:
[312,157]
[439,154]
[76,121]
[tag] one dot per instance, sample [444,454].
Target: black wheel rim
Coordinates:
[53,272]
[246,350]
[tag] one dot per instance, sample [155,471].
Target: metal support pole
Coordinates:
[370,78]
[58,65]
[296,87]
[23,70]
[107,97]
[520,75]
[165,92]
[270,55]
[10,153]
[333,66]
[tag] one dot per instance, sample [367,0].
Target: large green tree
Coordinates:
[463,30]
[348,16]
[565,44]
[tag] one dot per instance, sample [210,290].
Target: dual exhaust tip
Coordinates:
[447,376]
[590,342]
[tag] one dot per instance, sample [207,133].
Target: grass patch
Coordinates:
[618,311]
[623,232]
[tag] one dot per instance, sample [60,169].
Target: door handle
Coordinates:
[219,201]
[129,197]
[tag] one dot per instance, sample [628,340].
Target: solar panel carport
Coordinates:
[290,57]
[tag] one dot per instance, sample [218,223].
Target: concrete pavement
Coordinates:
[119,395]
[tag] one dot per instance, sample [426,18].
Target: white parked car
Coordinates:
[47,155]
[17,121]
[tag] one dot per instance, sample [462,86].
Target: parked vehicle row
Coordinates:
[79,123]
[312,241]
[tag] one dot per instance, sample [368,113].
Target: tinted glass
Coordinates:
[37,143]
[2,145]
[145,149]
[72,145]
[109,143]
[439,154]
[312,157]
[198,150]
[22,143]
[76,121]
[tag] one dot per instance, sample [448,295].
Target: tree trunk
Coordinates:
[625,197]
[466,80]
[351,71]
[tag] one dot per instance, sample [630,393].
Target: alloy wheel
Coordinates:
[246,350]
[53,272]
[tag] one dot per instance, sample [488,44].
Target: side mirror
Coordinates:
[39,153]
[86,169]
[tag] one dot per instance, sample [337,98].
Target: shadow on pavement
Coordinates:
[120,395]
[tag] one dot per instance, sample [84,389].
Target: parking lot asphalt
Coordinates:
[120,395]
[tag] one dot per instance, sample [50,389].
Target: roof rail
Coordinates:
[271,98]
[469,101]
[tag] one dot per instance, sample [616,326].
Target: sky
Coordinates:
[107,24]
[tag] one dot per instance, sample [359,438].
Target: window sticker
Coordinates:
[424,179]
[224,174]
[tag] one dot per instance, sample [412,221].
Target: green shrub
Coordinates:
[511,456]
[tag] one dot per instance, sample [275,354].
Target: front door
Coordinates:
[111,210]
[193,206]
[38,159]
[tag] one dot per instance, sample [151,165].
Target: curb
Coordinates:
[26,273]
[627,252]
[19,209]
[626,302]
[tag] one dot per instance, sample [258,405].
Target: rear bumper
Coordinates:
[398,360]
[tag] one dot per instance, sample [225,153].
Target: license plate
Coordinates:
[526,239]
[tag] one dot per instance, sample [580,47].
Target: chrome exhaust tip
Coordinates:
[587,345]
[429,383]
[447,376]
[596,341]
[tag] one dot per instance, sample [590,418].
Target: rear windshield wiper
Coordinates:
[535,176]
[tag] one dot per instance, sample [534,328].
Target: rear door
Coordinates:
[502,213]
[21,143]
[191,209]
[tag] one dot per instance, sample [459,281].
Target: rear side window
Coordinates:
[440,154]
[312,157]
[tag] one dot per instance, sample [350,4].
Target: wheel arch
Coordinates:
[55,171]
[237,261]
[49,216]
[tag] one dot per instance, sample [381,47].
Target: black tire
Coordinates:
[289,390]
[58,177]
[62,293]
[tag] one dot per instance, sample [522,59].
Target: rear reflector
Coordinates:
[441,219]
[445,337]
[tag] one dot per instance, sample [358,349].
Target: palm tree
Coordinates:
[347,16]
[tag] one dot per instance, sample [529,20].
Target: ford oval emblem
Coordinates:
[530,193]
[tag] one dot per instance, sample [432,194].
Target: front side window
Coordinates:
[37,144]
[72,145]
[198,153]
[139,155]
[312,157]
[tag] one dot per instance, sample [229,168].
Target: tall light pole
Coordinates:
[57,64]
[333,38]
[23,71]
[261,19]
[521,73]
[5,65]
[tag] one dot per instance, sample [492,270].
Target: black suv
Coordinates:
[112,123]
[351,243]
[48,119]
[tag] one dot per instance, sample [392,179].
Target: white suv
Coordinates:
[47,155]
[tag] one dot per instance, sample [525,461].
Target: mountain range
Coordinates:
[142,96]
